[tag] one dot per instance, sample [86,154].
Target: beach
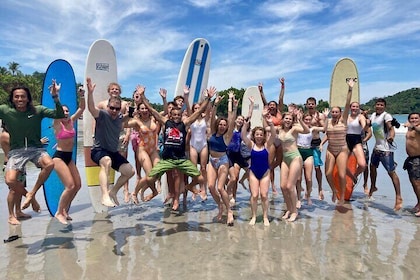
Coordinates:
[364,239]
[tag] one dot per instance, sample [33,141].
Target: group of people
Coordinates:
[183,136]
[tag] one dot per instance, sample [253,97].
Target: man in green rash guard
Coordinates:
[23,121]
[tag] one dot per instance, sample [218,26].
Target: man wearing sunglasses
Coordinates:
[109,123]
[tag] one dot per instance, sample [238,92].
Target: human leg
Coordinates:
[46,164]
[254,187]
[126,172]
[308,167]
[329,167]
[264,186]
[66,178]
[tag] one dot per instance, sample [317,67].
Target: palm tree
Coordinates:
[13,67]
[4,71]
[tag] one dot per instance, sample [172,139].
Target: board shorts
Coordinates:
[412,165]
[183,165]
[18,158]
[386,158]
[116,158]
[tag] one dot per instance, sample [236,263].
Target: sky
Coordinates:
[251,41]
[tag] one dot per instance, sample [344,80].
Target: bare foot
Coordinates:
[340,202]
[417,214]
[175,205]
[334,196]
[159,186]
[266,222]
[28,200]
[366,189]
[321,195]
[203,195]
[35,205]
[286,215]
[22,216]
[135,199]
[126,196]
[232,202]
[142,194]
[372,190]
[398,203]
[113,196]
[293,217]
[230,219]
[68,218]
[107,202]
[167,199]
[13,221]
[150,197]
[298,204]
[191,189]
[274,191]
[252,221]
[61,218]
[220,214]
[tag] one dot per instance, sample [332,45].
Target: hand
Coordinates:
[351,82]
[265,111]
[54,88]
[235,102]
[326,112]
[186,90]
[260,87]
[211,91]
[251,99]
[163,93]
[298,113]
[90,86]
[140,90]
[218,99]
[281,80]
[269,119]
[81,92]
[231,94]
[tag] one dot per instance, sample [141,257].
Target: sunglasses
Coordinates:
[112,108]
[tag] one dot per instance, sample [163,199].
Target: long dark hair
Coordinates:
[28,94]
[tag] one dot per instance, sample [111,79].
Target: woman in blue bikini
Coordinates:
[259,175]
[217,169]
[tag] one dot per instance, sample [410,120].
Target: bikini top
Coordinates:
[286,137]
[217,143]
[66,133]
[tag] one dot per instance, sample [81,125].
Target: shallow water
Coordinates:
[364,239]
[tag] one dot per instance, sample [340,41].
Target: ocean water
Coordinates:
[365,239]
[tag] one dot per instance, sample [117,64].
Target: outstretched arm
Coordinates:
[345,115]
[281,96]
[186,101]
[261,89]
[244,134]
[214,112]
[163,93]
[82,105]
[251,107]
[231,116]
[273,133]
[208,95]
[91,103]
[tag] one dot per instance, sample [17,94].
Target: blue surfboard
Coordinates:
[195,70]
[61,71]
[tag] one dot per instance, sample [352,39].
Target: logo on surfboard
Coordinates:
[197,62]
[102,66]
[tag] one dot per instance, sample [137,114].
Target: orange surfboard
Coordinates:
[351,166]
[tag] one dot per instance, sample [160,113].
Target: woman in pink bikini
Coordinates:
[63,163]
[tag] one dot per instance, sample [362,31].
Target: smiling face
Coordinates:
[259,136]
[379,107]
[114,89]
[239,121]
[354,108]
[20,99]
[335,112]
[143,111]
[66,111]
[176,115]
[414,119]
[222,126]
[287,120]
[114,108]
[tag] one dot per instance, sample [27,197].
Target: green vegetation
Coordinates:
[403,102]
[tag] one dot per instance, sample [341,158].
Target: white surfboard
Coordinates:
[194,70]
[256,119]
[345,68]
[101,67]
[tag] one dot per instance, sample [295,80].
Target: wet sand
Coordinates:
[364,239]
